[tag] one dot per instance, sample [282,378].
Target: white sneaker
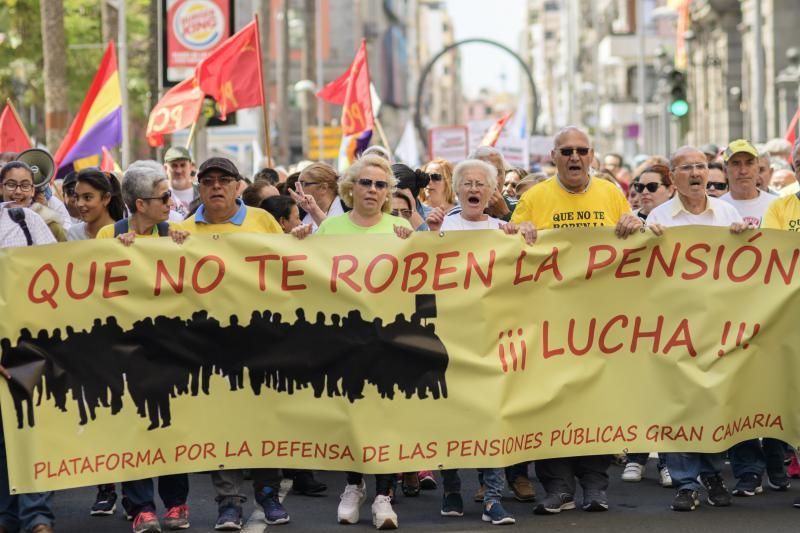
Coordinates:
[352,498]
[382,514]
[664,478]
[633,472]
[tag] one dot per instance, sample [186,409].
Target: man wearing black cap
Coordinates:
[180,171]
[221,211]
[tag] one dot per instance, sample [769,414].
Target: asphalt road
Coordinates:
[633,507]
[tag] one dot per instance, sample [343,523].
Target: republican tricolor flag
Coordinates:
[99,121]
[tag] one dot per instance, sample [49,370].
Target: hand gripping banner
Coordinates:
[459,350]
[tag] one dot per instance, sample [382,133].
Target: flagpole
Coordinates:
[379,127]
[191,135]
[19,120]
[264,100]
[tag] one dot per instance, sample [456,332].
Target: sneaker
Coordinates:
[146,522]
[352,498]
[778,481]
[594,501]
[427,481]
[274,512]
[664,478]
[523,490]
[796,502]
[479,495]
[452,504]
[555,503]
[718,494]
[411,484]
[229,519]
[105,503]
[685,500]
[793,470]
[177,517]
[127,508]
[748,485]
[633,472]
[495,514]
[306,484]
[382,514]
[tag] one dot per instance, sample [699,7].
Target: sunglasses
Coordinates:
[567,152]
[164,197]
[716,185]
[368,183]
[436,177]
[405,213]
[651,187]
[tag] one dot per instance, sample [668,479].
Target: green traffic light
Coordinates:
[679,108]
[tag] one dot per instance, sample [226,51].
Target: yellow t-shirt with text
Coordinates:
[548,205]
[783,213]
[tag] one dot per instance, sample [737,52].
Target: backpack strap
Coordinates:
[120,227]
[163,229]
[17,214]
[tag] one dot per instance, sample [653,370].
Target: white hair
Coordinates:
[490,173]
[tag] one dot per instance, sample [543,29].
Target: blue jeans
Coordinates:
[492,479]
[686,467]
[21,511]
[173,491]
[756,457]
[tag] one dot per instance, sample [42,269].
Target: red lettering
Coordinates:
[418,270]
[628,259]
[639,334]
[702,267]
[655,255]
[262,267]
[598,265]
[291,273]
[344,276]
[92,276]
[162,272]
[45,295]
[517,278]
[571,337]
[371,269]
[441,270]
[472,264]
[217,279]
[550,263]
[547,352]
[604,333]
[681,337]
[108,279]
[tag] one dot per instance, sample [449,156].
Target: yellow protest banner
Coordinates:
[458,350]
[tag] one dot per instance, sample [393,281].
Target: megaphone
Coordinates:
[42,165]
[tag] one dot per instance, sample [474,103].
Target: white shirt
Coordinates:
[752,210]
[673,213]
[78,232]
[12,235]
[334,209]
[455,222]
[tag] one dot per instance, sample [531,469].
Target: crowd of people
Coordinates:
[738,186]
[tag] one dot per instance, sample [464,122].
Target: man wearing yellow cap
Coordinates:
[741,169]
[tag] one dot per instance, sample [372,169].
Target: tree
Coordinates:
[55,72]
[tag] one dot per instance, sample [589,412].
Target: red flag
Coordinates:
[351,91]
[13,137]
[176,110]
[791,131]
[231,73]
[490,139]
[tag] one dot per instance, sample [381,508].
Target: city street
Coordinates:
[634,507]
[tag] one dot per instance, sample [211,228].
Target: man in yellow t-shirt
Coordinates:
[784,213]
[572,198]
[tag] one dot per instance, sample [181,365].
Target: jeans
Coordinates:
[228,484]
[383,482]
[491,478]
[558,475]
[756,457]
[21,511]
[685,468]
[173,491]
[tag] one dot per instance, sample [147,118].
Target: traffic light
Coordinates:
[678,105]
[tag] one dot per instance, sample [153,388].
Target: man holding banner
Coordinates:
[573,198]
[691,206]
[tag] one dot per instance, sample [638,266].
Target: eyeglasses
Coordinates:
[651,187]
[718,185]
[405,213]
[473,184]
[11,186]
[436,177]
[368,183]
[692,166]
[164,197]
[305,184]
[209,181]
[567,152]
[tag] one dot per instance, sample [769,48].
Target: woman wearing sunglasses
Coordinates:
[439,190]
[99,203]
[654,187]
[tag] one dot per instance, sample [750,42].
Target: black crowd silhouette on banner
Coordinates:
[161,358]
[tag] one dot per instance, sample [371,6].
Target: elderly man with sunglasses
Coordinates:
[692,206]
[574,199]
